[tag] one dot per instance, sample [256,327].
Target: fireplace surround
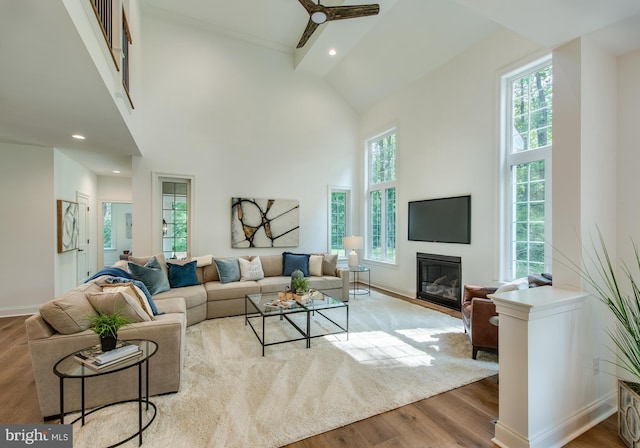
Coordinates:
[439,279]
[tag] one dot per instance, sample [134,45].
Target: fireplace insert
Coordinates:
[439,278]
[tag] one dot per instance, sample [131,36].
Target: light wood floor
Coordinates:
[458,418]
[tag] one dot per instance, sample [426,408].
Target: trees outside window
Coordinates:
[381,197]
[339,221]
[175,219]
[528,102]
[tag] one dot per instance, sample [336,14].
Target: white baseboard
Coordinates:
[561,434]
[19,310]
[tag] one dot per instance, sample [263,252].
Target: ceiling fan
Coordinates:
[318,14]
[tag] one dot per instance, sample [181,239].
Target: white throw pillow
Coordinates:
[250,270]
[520,283]
[315,265]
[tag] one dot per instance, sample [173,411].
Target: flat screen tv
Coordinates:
[443,220]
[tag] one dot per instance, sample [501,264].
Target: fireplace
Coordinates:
[439,279]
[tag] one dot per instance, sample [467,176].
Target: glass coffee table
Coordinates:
[258,307]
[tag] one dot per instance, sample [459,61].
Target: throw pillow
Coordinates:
[520,283]
[291,262]
[142,261]
[315,265]
[204,260]
[182,275]
[250,270]
[135,292]
[71,312]
[330,264]
[123,303]
[152,275]
[228,270]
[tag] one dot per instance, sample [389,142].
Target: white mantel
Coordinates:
[542,365]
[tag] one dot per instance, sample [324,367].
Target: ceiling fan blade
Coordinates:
[309,5]
[311,27]
[349,12]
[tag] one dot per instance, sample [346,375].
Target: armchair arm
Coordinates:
[483,333]
[471,291]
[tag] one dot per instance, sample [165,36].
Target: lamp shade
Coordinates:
[352,242]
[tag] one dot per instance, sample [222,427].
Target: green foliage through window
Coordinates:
[338,221]
[382,198]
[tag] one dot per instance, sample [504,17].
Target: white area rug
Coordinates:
[231,396]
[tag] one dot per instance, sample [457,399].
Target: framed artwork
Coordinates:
[264,222]
[67,226]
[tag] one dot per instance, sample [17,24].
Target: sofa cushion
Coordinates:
[121,302]
[71,312]
[228,270]
[182,274]
[202,261]
[250,270]
[291,262]
[193,295]
[151,274]
[315,265]
[274,284]
[235,290]
[133,291]
[271,265]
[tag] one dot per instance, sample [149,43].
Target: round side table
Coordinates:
[69,368]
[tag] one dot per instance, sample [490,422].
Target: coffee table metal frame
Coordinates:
[322,303]
[69,368]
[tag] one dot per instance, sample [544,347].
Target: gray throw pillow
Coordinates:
[152,275]
[228,270]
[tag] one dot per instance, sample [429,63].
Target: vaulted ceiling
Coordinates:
[49,88]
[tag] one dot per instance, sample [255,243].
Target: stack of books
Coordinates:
[96,359]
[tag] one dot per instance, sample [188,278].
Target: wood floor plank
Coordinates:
[458,418]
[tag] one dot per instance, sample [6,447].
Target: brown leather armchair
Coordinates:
[477,309]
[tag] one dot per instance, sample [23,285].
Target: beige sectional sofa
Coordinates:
[212,298]
[61,327]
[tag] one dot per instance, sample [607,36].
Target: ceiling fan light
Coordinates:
[318,17]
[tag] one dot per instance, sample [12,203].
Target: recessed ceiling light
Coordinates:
[116,171]
[78,136]
[332,52]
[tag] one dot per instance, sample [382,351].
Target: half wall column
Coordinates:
[541,366]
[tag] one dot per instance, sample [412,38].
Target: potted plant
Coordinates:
[601,275]
[106,326]
[301,285]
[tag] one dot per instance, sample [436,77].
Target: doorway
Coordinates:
[117,228]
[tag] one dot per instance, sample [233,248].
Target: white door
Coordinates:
[83,238]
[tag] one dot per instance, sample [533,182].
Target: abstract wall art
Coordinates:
[67,226]
[264,222]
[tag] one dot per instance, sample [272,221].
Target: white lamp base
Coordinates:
[353,259]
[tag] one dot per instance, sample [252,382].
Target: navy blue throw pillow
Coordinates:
[182,274]
[291,262]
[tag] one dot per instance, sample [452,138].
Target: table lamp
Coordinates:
[353,243]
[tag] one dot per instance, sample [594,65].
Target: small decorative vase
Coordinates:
[294,275]
[628,413]
[108,343]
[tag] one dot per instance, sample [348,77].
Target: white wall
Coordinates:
[27,228]
[243,123]
[71,178]
[448,145]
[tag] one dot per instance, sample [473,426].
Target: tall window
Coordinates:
[107,226]
[381,237]
[339,219]
[528,100]
[175,219]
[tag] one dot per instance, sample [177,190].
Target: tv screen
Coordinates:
[443,220]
